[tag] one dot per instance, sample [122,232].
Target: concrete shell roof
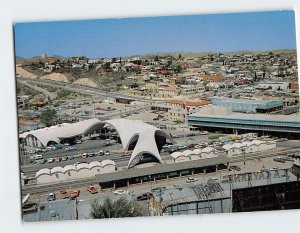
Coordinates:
[197,151]
[82,166]
[95,164]
[227,146]
[207,149]
[66,130]
[129,129]
[44,171]
[57,169]
[108,162]
[257,142]
[176,154]
[188,152]
[69,168]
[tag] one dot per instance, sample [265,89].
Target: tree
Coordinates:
[47,117]
[115,209]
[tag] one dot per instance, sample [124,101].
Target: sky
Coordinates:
[137,36]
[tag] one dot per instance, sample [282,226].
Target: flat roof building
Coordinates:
[228,194]
[216,118]
[247,105]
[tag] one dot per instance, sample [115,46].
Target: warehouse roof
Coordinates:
[211,113]
[161,168]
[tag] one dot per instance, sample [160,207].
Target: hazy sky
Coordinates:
[125,37]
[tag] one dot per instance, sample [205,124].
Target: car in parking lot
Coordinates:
[91,154]
[57,159]
[107,152]
[84,155]
[41,161]
[50,160]
[92,189]
[75,193]
[64,194]
[71,157]
[65,158]
[100,153]
[71,148]
[234,168]
[279,159]
[120,191]
[182,147]
[143,197]
[49,148]
[51,197]
[58,146]
[191,179]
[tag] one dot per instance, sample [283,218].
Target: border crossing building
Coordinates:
[216,118]
[247,105]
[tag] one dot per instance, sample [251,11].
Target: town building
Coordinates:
[179,109]
[248,105]
[216,118]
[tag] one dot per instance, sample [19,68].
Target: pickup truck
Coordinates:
[29,208]
[92,189]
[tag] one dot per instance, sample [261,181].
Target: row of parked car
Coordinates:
[73,194]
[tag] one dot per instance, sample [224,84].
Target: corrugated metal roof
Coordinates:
[160,168]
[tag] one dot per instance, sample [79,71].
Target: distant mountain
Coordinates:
[20,58]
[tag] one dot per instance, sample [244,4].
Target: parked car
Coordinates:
[75,193]
[191,179]
[42,161]
[234,167]
[51,197]
[180,147]
[71,157]
[107,152]
[91,154]
[64,194]
[84,155]
[71,148]
[279,159]
[100,153]
[92,189]
[50,160]
[58,146]
[65,158]
[57,159]
[120,191]
[143,197]
[49,148]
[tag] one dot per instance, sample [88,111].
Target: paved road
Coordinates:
[51,95]
[87,90]
[266,161]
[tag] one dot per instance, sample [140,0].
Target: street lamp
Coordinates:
[150,182]
[244,154]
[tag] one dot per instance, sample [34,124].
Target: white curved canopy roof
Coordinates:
[207,149]
[176,154]
[128,131]
[57,169]
[108,162]
[44,171]
[82,166]
[187,152]
[69,168]
[95,164]
[197,151]
[66,130]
